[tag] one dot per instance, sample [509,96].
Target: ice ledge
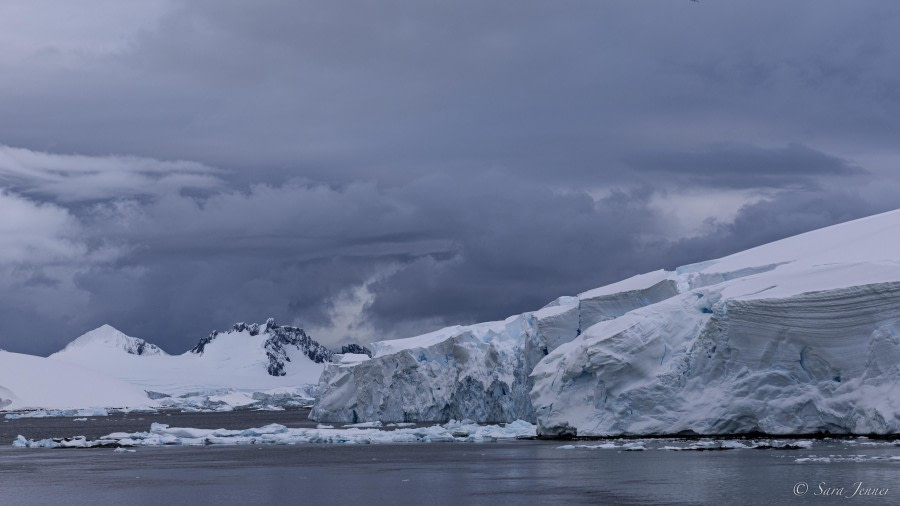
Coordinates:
[826,361]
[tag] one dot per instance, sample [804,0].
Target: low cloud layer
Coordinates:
[745,166]
[72,178]
[354,262]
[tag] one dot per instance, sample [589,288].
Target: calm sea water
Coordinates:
[513,472]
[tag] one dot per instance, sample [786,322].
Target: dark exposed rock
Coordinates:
[281,337]
[356,349]
[201,345]
[141,347]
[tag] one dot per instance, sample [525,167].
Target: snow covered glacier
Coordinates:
[30,382]
[798,336]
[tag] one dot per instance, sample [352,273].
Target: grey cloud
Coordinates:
[343,91]
[193,264]
[404,165]
[745,166]
[43,251]
[44,233]
[447,250]
[78,177]
[786,214]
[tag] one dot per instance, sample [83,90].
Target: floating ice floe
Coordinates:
[778,444]
[638,446]
[706,445]
[847,458]
[363,425]
[864,441]
[727,444]
[44,413]
[162,434]
[709,446]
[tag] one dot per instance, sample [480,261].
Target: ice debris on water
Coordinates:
[45,413]
[162,434]
[847,458]
[703,445]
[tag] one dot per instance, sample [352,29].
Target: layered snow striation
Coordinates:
[797,336]
[279,339]
[479,372]
[816,362]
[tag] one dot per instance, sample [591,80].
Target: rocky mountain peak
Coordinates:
[279,340]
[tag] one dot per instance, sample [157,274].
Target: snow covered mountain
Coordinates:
[800,335]
[107,339]
[248,363]
[279,343]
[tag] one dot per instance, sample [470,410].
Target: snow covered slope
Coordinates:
[29,382]
[800,335]
[247,359]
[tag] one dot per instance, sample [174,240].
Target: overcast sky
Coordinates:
[372,170]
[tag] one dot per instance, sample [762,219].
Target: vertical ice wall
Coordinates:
[479,372]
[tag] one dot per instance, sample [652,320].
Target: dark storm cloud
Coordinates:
[520,246]
[376,169]
[788,214]
[745,166]
[344,90]
[448,244]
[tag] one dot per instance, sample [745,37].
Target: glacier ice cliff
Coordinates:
[798,336]
[477,372]
[825,361]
